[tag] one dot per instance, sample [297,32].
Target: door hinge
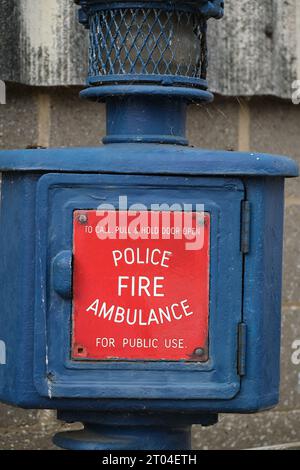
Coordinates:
[245,227]
[242,346]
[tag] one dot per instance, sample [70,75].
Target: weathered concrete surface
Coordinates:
[38,115]
[34,434]
[292,254]
[18,119]
[219,119]
[14,417]
[84,120]
[254,50]
[42,43]
[25,437]
[246,432]
[10,66]
[290,360]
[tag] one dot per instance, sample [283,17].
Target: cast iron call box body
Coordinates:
[141,280]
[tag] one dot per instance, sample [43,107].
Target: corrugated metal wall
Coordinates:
[254,50]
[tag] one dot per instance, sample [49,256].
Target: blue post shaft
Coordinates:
[146,119]
[134,437]
[130,431]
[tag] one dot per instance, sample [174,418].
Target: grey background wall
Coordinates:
[252,70]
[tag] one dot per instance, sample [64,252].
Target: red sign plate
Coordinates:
[141,286]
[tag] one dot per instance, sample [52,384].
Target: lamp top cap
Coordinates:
[208,8]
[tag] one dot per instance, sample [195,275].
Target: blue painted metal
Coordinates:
[207,8]
[131,108]
[129,431]
[138,159]
[58,196]
[149,78]
[141,43]
[145,39]
[36,222]
[139,437]
[154,402]
[62,274]
[123,432]
[128,120]
[142,37]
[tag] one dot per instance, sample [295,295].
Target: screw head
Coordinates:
[50,376]
[202,220]
[199,352]
[82,219]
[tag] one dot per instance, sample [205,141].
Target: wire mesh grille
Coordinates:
[147,42]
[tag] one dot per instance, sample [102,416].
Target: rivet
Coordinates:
[199,352]
[82,219]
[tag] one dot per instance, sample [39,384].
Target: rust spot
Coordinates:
[79,350]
